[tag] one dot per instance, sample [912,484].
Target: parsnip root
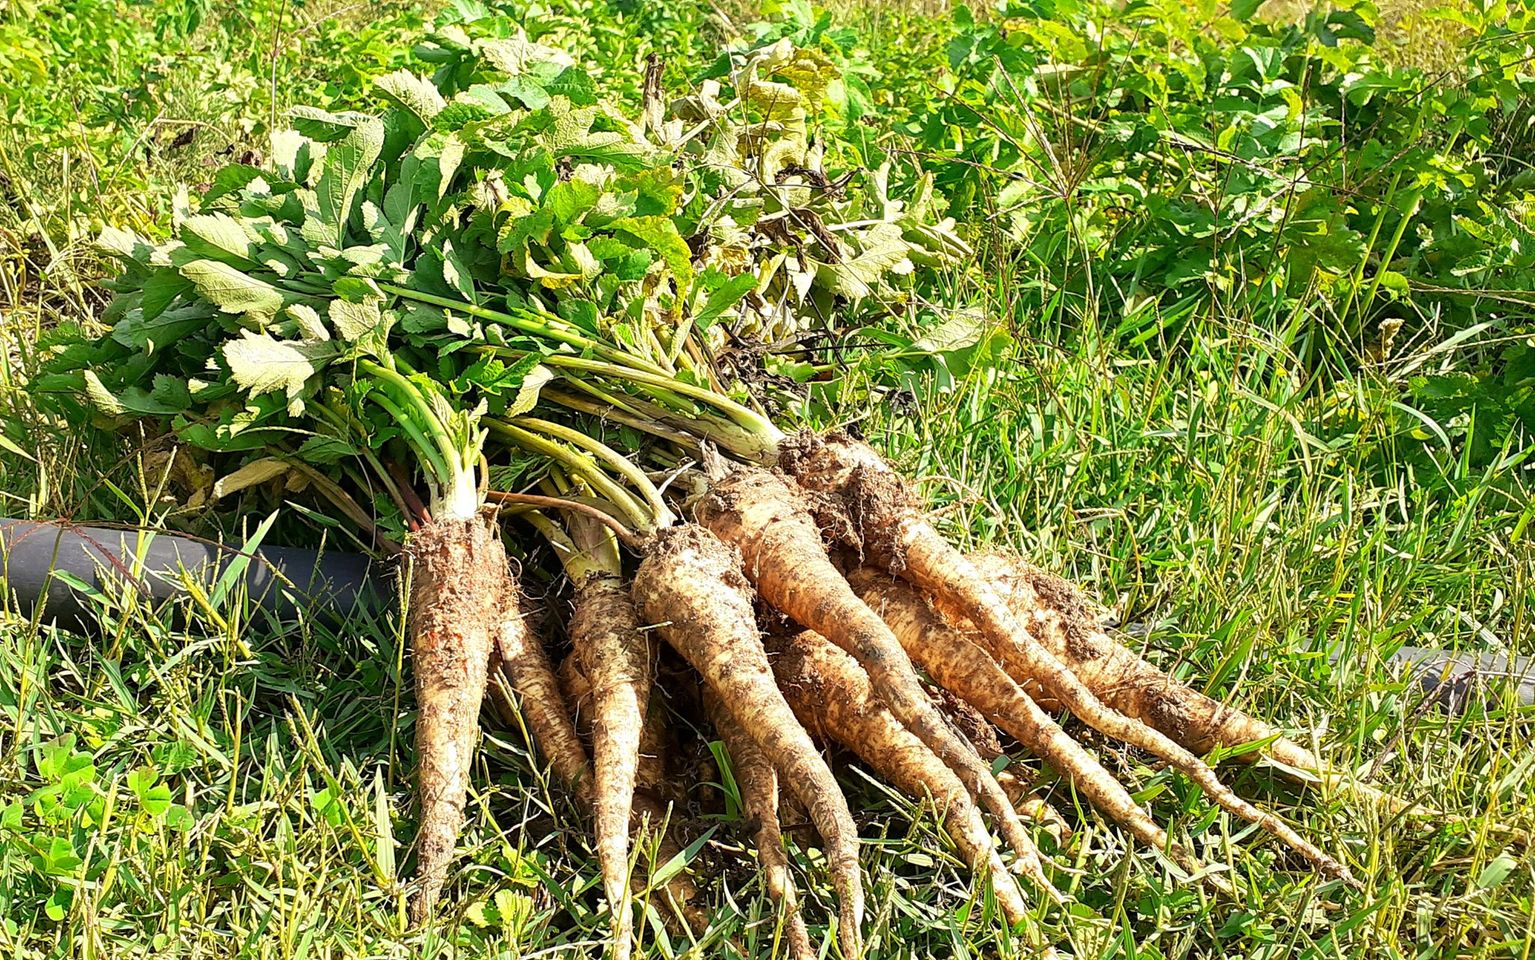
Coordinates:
[781,548]
[691,588]
[834,697]
[899,538]
[457,575]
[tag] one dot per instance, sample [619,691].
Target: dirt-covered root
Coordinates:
[758,784]
[1062,619]
[833,696]
[457,576]
[544,709]
[690,587]
[617,659]
[982,734]
[897,537]
[785,558]
[653,792]
[965,670]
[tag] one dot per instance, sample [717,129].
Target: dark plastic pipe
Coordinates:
[283,582]
[1453,679]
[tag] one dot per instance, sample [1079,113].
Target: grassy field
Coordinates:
[1276,479]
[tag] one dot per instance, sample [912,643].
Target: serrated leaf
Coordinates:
[308,320]
[135,330]
[963,328]
[517,54]
[234,291]
[262,364]
[884,252]
[723,296]
[217,236]
[325,127]
[354,321]
[414,94]
[144,403]
[324,451]
[569,199]
[100,397]
[171,391]
[660,236]
[162,287]
[123,244]
[527,392]
[346,167]
[231,179]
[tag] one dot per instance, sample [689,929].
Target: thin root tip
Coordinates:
[850,924]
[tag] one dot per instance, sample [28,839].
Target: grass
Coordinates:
[1264,537]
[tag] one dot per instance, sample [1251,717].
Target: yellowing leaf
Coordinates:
[100,397]
[353,321]
[884,252]
[253,473]
[216,235]
[527,393]
[660,235]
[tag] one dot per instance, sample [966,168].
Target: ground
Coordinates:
[207,786]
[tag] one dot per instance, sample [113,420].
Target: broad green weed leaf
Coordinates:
[659,234]
[308,321]
[136,330]
[325,450]
[517,54]
[346,167]
[884,252]
[123,244]
[325,127]
[162,287]
[724,294]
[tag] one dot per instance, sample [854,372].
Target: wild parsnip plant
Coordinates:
[1245,350]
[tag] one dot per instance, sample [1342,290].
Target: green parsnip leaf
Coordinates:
[262,364]
[233,291]
[414,94]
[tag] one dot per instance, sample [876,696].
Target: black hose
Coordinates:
[286,583]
